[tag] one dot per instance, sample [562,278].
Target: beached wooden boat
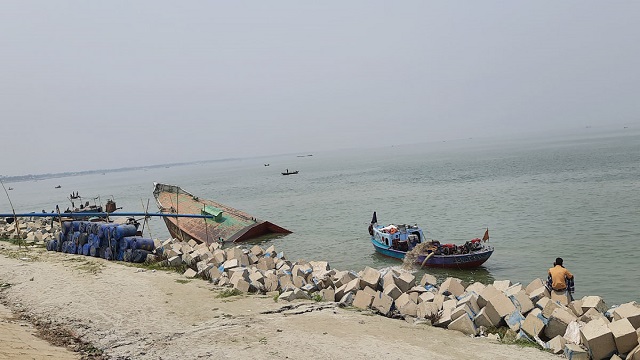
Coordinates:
[227,225]
[397,240]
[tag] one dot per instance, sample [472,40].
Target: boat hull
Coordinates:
[460,261]
[232,226]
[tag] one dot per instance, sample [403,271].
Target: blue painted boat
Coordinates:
[397,240]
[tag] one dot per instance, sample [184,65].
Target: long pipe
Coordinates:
[104,214]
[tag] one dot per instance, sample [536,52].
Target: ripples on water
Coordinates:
[574,198]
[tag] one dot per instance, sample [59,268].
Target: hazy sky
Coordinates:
[102,84]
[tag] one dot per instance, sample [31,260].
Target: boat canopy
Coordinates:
[213,211]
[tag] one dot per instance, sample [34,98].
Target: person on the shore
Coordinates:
[560,280]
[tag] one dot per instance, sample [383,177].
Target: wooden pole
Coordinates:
[15,218]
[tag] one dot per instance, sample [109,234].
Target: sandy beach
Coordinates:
[131,313]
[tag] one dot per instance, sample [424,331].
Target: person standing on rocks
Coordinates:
[560,280]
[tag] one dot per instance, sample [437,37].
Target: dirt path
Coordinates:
[129,313]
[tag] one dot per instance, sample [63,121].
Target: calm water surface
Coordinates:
[575,197]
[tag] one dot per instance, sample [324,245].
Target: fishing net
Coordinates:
[411,257]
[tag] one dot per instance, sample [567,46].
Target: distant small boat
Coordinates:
[58,187]
[266,164]
[290,172]
[10,188]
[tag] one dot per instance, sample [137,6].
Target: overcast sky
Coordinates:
[107,84]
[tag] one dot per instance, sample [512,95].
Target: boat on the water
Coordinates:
[290,172]
[226,225]
[58,187]
[397,240]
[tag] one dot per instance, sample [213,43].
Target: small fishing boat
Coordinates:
[397,241]
[266,164]
[290,172]
[10,188]
[58,187]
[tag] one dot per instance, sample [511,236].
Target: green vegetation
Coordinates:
[160,265]
[317,298]
[183,281]
[229,293]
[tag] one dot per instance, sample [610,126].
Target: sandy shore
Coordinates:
[130,313]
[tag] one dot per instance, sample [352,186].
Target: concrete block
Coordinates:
[252,259]
[576,307]
[363,299]
[426,297]
[257,277]
[522,302]
[299,281]
[257,250]
[449,304]
[575,352]
[343,277]
[593,314]
[471,300]
[595,302]
[370,290]
[190,273]
[414,296]
[328,294]
[476,287]
[549,308]
[428,279]
[427,310]
[418,289]
[462,310]
[405,281]
[234,253]
[293,294]
[393,291]
[634,354]
[439,299]
[346,300]
[488,292]
[533,324]
[487,317]
[556,345]
[408,309]
[219,256]
[271,283]
[230,264]
[502,285]
[501,304]
[213,273]
[629,311]
[382,303]
[266,263]
[464,325]
[242,285]
[175,261]
[560,296]
[539,294]
[192,243]
[453,286]
[598,339]
[444,318]
[270,251]
[514,320]
[558,322]
[624,335]
[513,289]
[370,277]
[320,266]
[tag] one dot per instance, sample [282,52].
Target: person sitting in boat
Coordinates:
[560,280]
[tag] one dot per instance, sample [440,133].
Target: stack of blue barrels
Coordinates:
[100,239]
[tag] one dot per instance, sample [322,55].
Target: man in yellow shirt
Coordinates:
[560,279]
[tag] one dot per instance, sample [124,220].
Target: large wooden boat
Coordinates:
[227,225]
[397,241]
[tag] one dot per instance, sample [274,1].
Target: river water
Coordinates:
[577,197]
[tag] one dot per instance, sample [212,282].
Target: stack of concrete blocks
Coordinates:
[529,311]
[32,230]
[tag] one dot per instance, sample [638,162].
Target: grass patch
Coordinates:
[180,269]
[317,298]
[183,281]
[91,267]
[228,293]
[275,297]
